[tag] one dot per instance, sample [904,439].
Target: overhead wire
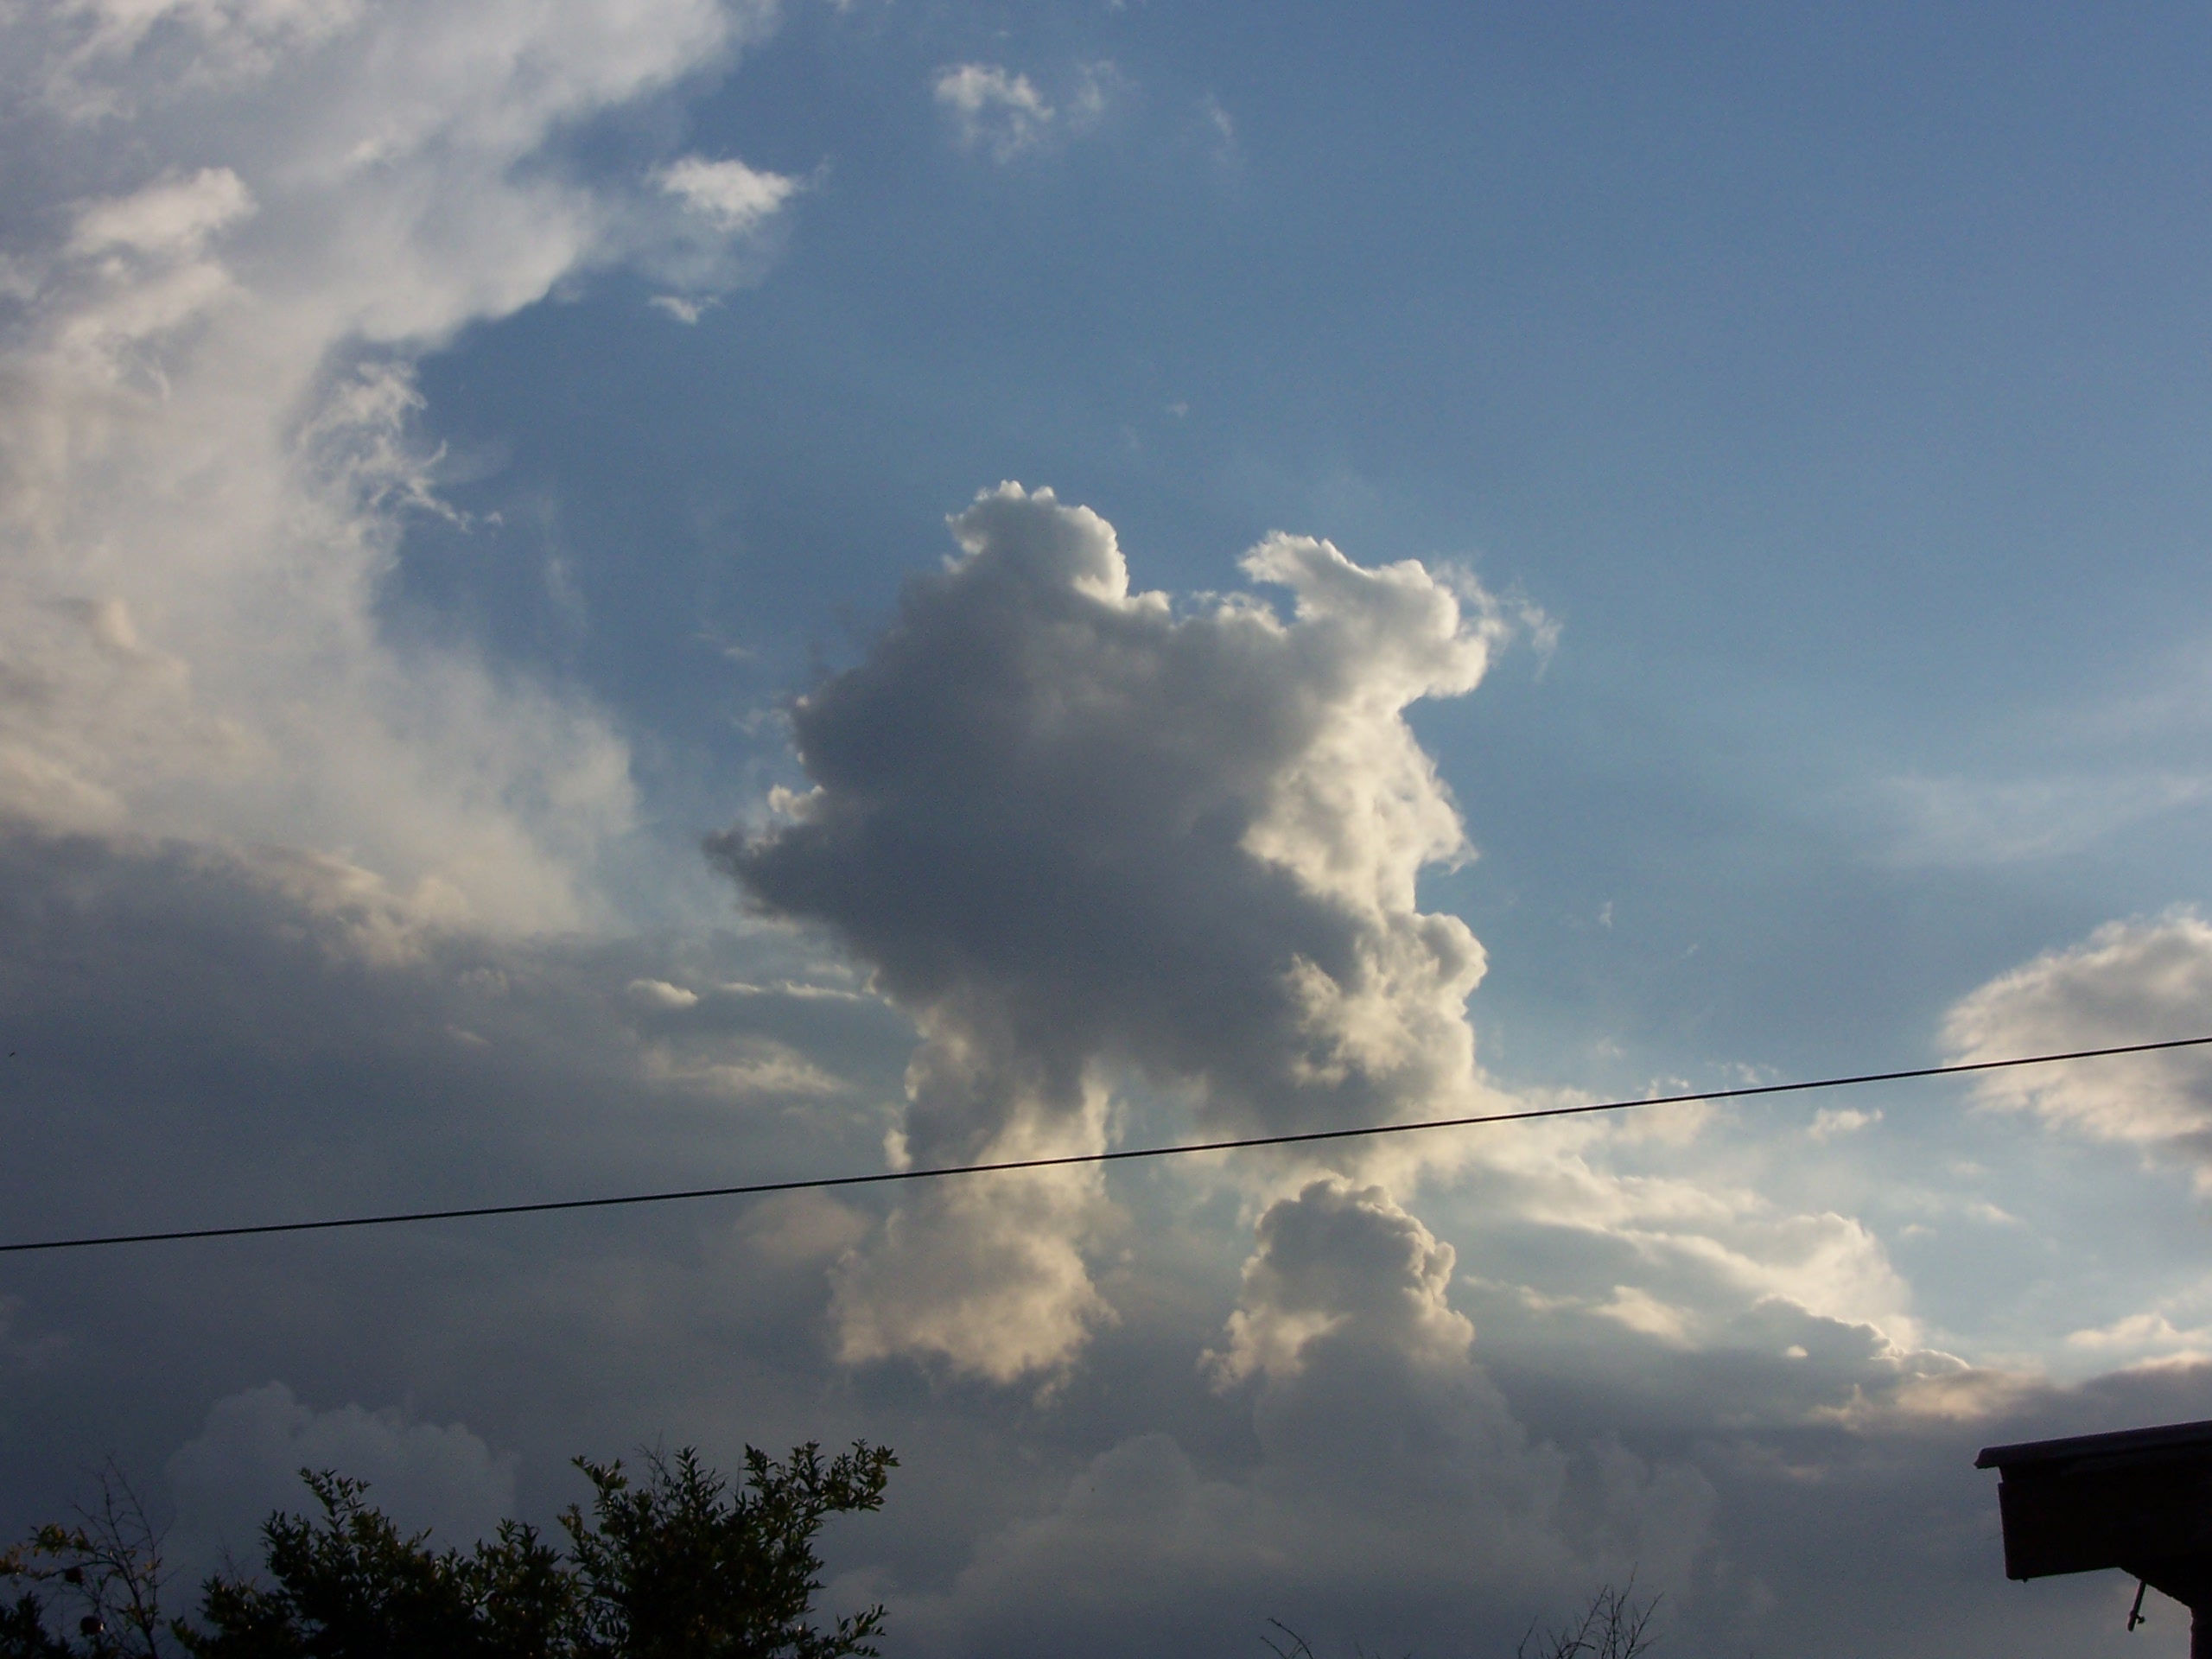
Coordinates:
[1114,1155]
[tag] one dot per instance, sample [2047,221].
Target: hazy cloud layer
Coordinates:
[246,221]
[1078,832]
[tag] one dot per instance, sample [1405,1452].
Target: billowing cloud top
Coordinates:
[1076,831]
[1084,826]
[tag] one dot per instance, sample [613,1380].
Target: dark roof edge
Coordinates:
[2127,1440]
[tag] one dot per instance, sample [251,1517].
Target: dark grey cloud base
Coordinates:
[191,1036]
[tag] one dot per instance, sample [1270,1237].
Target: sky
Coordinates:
[607,594]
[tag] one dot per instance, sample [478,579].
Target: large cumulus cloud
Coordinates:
[1081,833]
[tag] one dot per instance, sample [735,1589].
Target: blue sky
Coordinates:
[457,466]
[1829,382]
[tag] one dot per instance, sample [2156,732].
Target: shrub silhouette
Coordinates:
[680,1562]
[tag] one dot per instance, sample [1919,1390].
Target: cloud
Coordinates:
[713,240]
[249,1038]
[1216,117]
[2129,982]
[1149,1552]
[1390,1472]
[257,218]
[994,110]
[172,218]
[997,110]
[1345,1262]
[759,1067]
[240,1048]
[659,993]
[1107,850]
[1833,1121]
[992,1280]
[2142,1334]
[1076,831]
[685,311]
[1098,87]
[1973,821]
[729,195]
[246,1460]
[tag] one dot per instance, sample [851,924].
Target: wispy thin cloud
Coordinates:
[994,108]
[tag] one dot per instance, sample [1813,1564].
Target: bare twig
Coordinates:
[1615,1625]
[109,1564]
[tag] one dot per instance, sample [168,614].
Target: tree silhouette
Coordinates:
[678,1563]
[682,1567]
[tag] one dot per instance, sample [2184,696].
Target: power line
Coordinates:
[822,1183]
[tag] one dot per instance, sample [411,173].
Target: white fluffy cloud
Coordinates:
[250,218]
[2128,982]
[711,243]
[729,194]
[1078,832]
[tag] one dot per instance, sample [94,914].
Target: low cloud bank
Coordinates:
[1418,1431]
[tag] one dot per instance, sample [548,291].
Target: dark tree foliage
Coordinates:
[680,1563]
[351,1586]
[683,1568]
[23,1634]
